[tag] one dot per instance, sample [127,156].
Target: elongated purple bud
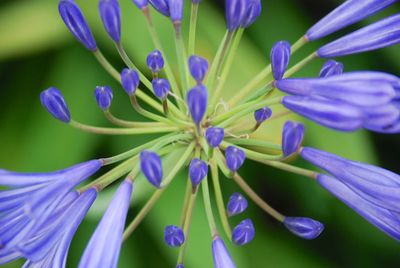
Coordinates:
[331,67]
[175,10]
[252,13]
[104,96]
[292,137]
[221,256]
[161,6]
[130,81]
[76,23]
[197,99]
[237,204]
[155,61]
[214,136]
[198,170]
[141,3]
[110,14]
[198,67]
[174,236]
[235,11]
[262,114]
[280,56]
[304,227]
[351,11]
[330,113]
[161,88]
[243,233]
[234,158]
[54,102]
[380,34]
[151,166]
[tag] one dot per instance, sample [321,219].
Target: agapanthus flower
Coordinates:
[204,137]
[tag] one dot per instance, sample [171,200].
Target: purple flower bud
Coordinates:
[76,23]
[174,236]
[141,3]
[252,13]
[197,102]
[330,113]
[105,244]
[155,61]
[234,158]
[280,56]
[54,102]
[175,10]
[237,204]
[130,80]
[292,137]
[110,14]
[103,97]
[380,34]
[235,11]
[161,6]
[262,114]
[198,67]
[351,11]
[214,136]
[198,170]
[381,117]
[358,88]
[382,218]
[180,266]
[330,68]
[243,233]
[151,166]
[161,88]
[303,227]
[221,256]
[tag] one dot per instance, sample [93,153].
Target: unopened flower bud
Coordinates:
[103,97]
[54,102]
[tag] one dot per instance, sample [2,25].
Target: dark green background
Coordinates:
[36,51]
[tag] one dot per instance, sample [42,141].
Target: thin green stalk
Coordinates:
[253,142]
[192,28]
[301,64]
[289,168]
[298,44]
[130,124]
[218,58]
[207,207]
[188,193]
[252,154]
[182,59]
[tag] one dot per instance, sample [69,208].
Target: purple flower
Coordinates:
[375,184]
[380,34]
[243,233]
[221,256]
[252,13]
[103,97]
[262,114]
[155,61]
[237,204]
[393,128]
[130,80]
[304,227]
[198,170]
[54,102]
[141,3]
[330,68]
[181,265]
[161,88]
[175,10]
[198,67]
[174,236]
[358,88]
[197,102]
[235,12]
[280,56]
[214,136]
[110,14]
[105,244]
[161,6]
[351,11]
[330,113]
[384,219]
[234,158]
[76,23]
[381,117]
[292,137]
[151,166]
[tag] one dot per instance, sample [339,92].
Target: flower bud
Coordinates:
[243,233]
[304,227]
[161,6]
[234,158]
[174,236]
[110,14]
[280,56]
[141,3]
[54,102]
[175,10]
[76,23]
[180,266]
[235,11]
[331,67]
[197,103]
[151,166]
[155,61]
[262,114]
[252,13]
[237,204]
[198,67]
[103,97]
[292,137]
[221,256]
[198,170]
[130,80]
[214,136]
[161,88]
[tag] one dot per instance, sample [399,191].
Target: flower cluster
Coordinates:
[40,212]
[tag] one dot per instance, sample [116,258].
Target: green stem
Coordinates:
[188,193]
[192,28]
[289,168]
[253,142]
[207,207]
[252,154]
[301,64]
[298,44]
[182,59]
[130,124]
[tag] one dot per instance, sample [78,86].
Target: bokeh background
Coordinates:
[36,51]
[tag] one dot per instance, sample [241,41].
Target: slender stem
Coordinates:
[298,44]
[192,28]
[301,64]
[218,57]
[182,59]
[252,154]
[289,168]
[130,124]
[121,131]
[188,193]
[207,207]
[253,142]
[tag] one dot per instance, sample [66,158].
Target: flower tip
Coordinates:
[104,96]
[304,227]
[161,6]
[151,166]
[161,88]
[221,255]
[174,236]
[155,61]
[331,67]
[54,102]
[175,10]
[141,4]
[243,233]
[262,114]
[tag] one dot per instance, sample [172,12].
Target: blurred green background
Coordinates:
[36,51]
